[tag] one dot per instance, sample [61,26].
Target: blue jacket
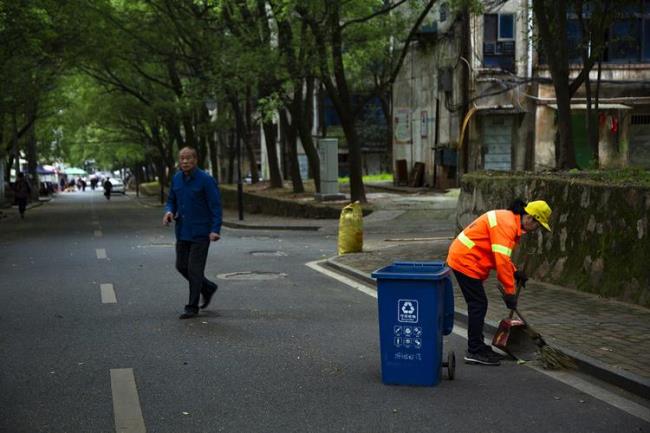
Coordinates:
[195,201]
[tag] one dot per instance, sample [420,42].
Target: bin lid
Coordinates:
[433,270]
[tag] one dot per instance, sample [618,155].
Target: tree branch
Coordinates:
[373,15]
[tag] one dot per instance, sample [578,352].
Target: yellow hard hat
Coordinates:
[541,211]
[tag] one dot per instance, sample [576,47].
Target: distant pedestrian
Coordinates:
[62,184]
[83,185]
[194,202]
[108,186]
[486,244]
[22,192]
[93,182]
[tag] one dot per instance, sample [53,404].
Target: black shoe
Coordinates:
[494,355]
[480,358]
[208,296]
[188,315]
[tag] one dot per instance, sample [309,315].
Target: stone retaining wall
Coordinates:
[599,242]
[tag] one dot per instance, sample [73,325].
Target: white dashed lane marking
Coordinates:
[126,403]
[101,253]
[108,293]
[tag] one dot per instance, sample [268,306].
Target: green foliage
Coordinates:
[381,177]
[475,7]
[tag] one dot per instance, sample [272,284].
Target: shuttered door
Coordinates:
[640,141]
[497,142]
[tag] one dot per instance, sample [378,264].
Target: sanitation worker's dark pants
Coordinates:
[477,304]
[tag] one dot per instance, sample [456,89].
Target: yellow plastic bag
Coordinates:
[351,229]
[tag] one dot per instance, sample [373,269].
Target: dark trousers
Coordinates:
[190,262]
[477,304]
[22,205]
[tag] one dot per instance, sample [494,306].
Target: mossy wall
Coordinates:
[599,243]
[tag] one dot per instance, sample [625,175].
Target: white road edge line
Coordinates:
[316,265]
[595,391]
[126,403]
[101,253]
[608,397]
[108,293]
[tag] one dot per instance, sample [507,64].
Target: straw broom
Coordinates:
[551,358]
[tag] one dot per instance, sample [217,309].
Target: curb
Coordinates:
[234,225]
[628,381]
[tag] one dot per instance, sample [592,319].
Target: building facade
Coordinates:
[475,94]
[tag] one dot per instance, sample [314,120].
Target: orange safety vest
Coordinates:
[487,244]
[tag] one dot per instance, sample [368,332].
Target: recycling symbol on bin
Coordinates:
[407,311]
[408,308]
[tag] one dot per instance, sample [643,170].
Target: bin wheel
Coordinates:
[451,365]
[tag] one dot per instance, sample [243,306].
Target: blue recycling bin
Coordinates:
[416,308]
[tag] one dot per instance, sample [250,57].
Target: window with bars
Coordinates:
[499,41]
[640,119]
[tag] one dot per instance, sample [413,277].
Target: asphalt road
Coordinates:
[291,351]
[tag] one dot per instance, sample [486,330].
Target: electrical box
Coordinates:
[328,152]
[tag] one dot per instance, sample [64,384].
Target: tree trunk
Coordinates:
[270,134]
[243,133]
[202,118]
[591,125]
[248,141]
[564,151]
[32,156]
[292,150]
[304,122]
[232,150]
[596,137]
[385,99]
[341,98]
[551,20]
[212,150]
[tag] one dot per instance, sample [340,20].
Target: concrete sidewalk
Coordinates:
[608,339]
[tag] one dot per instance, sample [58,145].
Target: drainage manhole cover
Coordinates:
[252,275]
[268,253]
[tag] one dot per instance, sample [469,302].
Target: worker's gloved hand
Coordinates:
[521,278]
[511,301]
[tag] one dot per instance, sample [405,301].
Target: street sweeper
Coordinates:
[485,244]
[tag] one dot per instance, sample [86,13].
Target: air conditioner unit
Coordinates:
[506,48]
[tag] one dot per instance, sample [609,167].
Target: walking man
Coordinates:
[194,202]
[22,191]
[108,186]
[486,244]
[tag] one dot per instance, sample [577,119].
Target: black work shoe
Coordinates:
[208,297]
[480,358]
[188,315]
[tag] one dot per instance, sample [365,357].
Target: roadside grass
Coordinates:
[381,177]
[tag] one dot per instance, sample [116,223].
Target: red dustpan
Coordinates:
[507,332]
